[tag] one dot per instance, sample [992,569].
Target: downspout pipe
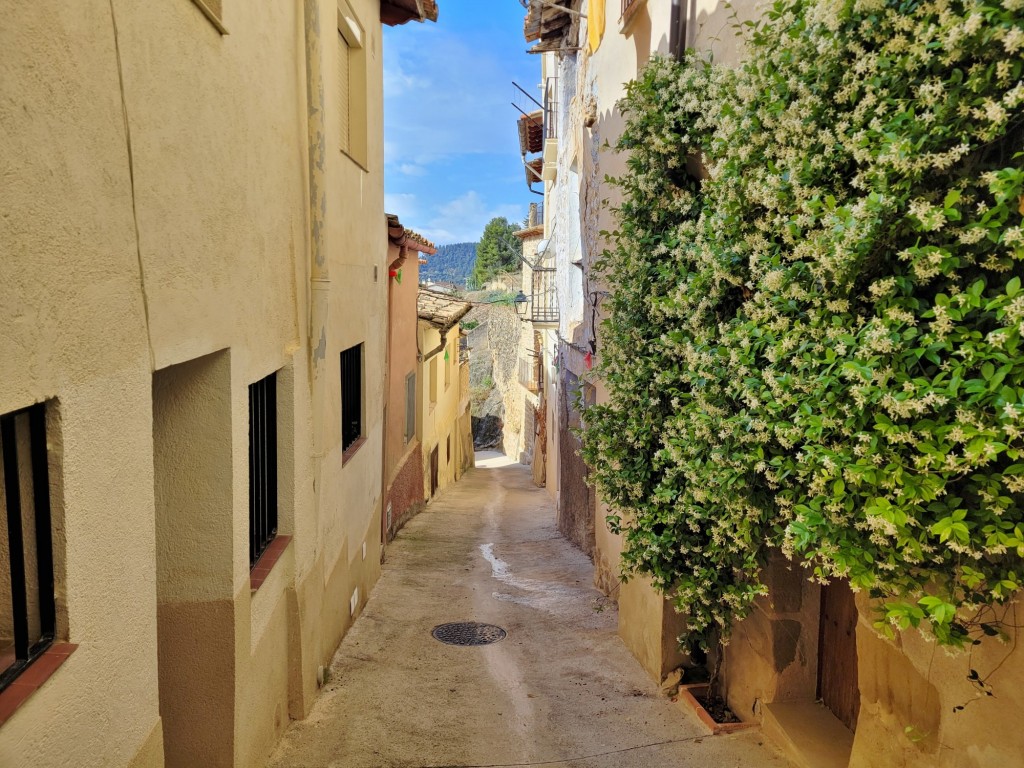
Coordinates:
[319,275]
[440,347]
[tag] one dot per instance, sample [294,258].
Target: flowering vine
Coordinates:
[816,310]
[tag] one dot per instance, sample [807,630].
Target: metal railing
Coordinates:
[530,373]
[262,466]
[544,299]
[551,108]
[29,556]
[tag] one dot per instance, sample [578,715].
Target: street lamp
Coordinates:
[520,302]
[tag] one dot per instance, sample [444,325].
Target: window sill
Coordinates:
[630,14]
[261,571]
[349,452]
[32,678]
[362,164]
[211,16]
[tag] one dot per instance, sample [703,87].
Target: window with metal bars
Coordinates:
[262,466]
[351,396]
[28,612]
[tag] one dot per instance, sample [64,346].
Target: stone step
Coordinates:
[809,734]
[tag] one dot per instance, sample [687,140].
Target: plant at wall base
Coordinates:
[816,347]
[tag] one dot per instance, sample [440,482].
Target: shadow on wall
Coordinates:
[487,431]
[714,30]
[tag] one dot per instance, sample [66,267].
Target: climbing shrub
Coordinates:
[813,340]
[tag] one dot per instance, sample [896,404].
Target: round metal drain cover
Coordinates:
[468,633]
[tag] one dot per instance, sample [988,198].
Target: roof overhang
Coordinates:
[440,310]
[551,24]
[531,132]
[401,237]
[395,12]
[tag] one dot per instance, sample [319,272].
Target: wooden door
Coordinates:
[433,472]
[837,653]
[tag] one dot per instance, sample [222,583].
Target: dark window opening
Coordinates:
[28,611]
[351,396]
[262,466]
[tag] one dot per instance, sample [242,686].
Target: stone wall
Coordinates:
[404,499]
[499,401]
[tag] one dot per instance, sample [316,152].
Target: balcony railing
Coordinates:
[627,5]
[544,300]
[530,373]
[551,108]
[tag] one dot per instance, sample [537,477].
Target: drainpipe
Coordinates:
[424,356]
[319,278]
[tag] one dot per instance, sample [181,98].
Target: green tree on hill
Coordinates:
[498,251]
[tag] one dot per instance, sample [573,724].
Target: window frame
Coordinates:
[352,41]
[350,443]
[25,650]
[264,497]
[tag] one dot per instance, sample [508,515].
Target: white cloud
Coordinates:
[411,169]
[405,206]
[458,102]
[398,82]
[463,219]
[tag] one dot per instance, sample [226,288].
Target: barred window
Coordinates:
[262,466]
[27,605]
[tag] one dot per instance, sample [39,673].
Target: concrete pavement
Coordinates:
[560,690]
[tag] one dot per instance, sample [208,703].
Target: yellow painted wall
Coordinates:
[440,420]
[157,209]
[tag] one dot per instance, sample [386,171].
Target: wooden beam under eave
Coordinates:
[396,12]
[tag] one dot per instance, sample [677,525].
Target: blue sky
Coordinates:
[451,149]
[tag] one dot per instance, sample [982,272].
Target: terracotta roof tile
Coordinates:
[439,309]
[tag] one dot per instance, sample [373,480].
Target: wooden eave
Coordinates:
[395,12]
[534,171]
[535,231]
[531,132]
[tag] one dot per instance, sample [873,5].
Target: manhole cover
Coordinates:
[468,633]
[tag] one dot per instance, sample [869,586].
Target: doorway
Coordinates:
[433,472]
[192,473]
[837,653]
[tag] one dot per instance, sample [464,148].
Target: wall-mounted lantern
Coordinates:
[520,302]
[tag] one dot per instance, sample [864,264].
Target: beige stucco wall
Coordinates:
[444,418]
[911,684]
[910,689]
[773,653]
[402,329]
[122,264]
[649,626]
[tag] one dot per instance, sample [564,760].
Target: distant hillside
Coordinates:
[451,264]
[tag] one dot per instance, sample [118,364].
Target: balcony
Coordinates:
[550,171]
[544,299]
[629,7]
[531,374]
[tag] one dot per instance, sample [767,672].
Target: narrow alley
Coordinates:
[560,690]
